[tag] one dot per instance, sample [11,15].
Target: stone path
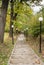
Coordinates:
[23,54]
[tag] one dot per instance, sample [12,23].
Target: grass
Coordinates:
[5,49]
[34,43]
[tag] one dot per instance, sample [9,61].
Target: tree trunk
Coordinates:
[3,19]
[11,19]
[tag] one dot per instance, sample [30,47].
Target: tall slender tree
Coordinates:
[11,16]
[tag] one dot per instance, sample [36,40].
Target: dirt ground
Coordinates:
[35,44]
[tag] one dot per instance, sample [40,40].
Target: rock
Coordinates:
[37,61]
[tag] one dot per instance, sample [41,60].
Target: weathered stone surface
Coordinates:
[23,54]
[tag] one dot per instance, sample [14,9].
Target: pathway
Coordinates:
[23,54]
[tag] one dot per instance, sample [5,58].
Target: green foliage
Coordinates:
[34,27]
[0,3]
[25,19]
[26,32]
[35,30]
[24,13]
[43,12]
[7,27]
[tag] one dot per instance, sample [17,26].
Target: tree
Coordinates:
[3,18]
[12,17]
